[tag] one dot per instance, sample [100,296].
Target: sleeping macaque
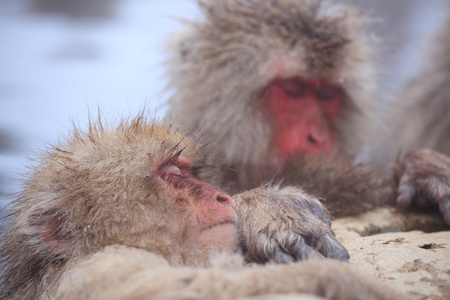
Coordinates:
[122,213]
[420,118]
[274,84]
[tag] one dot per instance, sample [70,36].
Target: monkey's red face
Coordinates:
[213,220]
[303,112]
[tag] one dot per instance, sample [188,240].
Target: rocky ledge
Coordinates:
[407,250]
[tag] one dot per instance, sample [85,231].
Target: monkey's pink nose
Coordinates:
[222,199]
[317,143]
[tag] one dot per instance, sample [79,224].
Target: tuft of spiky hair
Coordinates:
[219,68]
[88,191]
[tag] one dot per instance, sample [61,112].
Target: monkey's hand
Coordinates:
[424,180]
[283,225]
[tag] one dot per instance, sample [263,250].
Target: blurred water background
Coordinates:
[62,59]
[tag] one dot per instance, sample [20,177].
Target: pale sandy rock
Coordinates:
[284,297]
[415,262]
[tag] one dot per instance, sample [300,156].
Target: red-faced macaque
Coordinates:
[277,83]
[136,190]
[269,80]
[420,118]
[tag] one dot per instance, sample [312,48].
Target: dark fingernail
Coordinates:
[406,193]
[404,200]
[422,201]
[444,207]
[344,256]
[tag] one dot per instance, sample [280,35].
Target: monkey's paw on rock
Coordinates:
[416,262]
[424,177]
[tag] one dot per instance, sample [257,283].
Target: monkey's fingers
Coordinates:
[303,248]
[318,234]
[421,191]
[314,236]
[329,246]
[291,247]
[285,249]
[406,193]
[319,211]
[424,192]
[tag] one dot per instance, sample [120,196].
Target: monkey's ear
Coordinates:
[49,226]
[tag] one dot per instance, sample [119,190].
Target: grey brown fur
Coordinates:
[100,189]
[346,187]
[130,273]
[419,117]
[219,69]
[285,225]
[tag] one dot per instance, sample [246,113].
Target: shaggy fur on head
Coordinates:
[85,195]
[219,68]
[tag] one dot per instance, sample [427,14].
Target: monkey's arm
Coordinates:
[347,188]
[121,272]
[424,180]
[284,225]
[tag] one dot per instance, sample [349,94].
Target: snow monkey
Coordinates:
[419,117]
[279,83]
[122,212]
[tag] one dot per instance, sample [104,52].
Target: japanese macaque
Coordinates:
[420,118]
[121,213]
[274,84]
[272,80]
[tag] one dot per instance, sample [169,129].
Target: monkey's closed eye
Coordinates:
[328,92]
[180,167]
[172,170]
[293,88]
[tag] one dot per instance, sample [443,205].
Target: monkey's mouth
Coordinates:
[221,234]
[221,223]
